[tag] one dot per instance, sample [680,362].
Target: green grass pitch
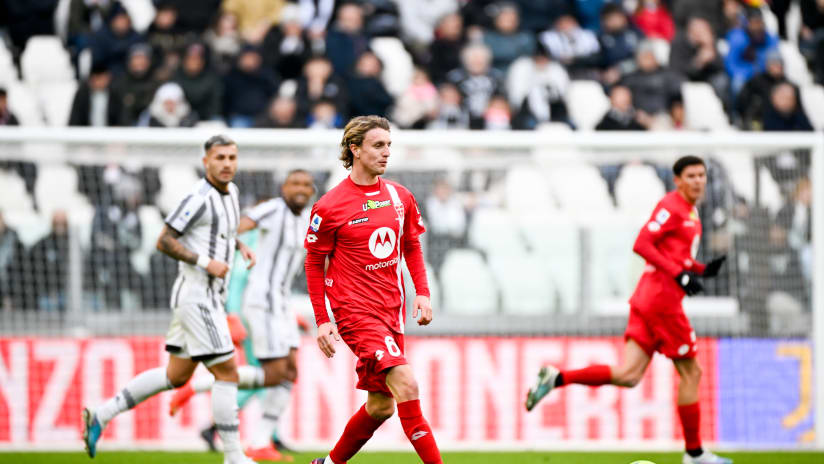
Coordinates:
[143,457]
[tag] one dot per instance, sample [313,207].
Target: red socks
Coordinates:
[591,375]
[690,415]
[417,430]
[358,431]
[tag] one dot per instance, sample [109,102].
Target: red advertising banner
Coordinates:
[472,392]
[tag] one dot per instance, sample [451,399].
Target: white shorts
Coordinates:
[198,329]
[273,333]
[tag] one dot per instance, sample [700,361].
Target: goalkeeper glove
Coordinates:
[689,283]
[712,268]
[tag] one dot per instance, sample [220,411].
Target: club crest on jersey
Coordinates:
[372,204]
[315,223]
[382,242]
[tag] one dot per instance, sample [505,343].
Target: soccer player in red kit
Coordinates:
[364,227]
[668,242]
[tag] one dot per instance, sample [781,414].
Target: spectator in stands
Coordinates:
[366,91]
[445,51]
[574,47]
[169,108]
[11,259]
[7,118]
[540,15]
[85,18]
[116,233]
[651,85]
[754,97]
[477,16]
[618,40]
[286,47]
[780,9]
[94,103]
[418,104]
[419,20]
[654,20]
[224,41]
[749,46]
[537,88]
[48,262]
[201,83]
[711,10]
[735,16]
[784,112]
[27,18]
[167,40]
[695,56]
[248,88]
[282,113]
[346,40]
[795,217]
[135,88]
[111,44]
[673,120]
[505,41]
[621,115]
[588,13]
[319,82]
[199,14]
[498,115]
[477,82]
[381,18]
[445,221]
[254,17]
[324,116]
[811,37]
[450,113]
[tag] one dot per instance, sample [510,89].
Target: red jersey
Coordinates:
[364,230]
[669,243]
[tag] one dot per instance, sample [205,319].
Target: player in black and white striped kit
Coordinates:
[201,234]
[282,222]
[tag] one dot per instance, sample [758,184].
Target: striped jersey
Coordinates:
[279,254]
[207,220]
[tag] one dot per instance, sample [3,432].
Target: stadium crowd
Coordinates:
[477,64]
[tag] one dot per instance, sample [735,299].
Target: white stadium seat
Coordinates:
[56,188]
[409,287]
[470,287]
[23,103]
[176,181]
[525,282]
[15,197]
[702,107]
[555,238]
[812,99]
[587,103]
[56,99]
[29,225]
[580,189]
[8,72]
[151,223]
[45,60]
[795,67]
[614,269]
[638,188]
[141,12]
[526,190]
[495,229]
[397,63]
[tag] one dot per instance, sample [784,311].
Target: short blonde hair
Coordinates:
[354,133]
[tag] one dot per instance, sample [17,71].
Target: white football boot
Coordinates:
[707,457]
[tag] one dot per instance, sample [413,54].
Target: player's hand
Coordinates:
[712,268]
[217,268]
[327,335]
[236,329]
[247,254]
[423,306]
[689,283]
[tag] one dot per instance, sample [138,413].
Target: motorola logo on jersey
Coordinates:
[382,242]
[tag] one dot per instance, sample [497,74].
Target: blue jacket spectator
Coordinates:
[748,50]
[784,112]
[618,38]
[249,87]
[540,15]
[345,41]
[110,45]
[590,13]
[366,91]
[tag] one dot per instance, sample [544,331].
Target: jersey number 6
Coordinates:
[392,346]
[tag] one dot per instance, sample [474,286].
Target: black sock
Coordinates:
[559,380]
[695,452]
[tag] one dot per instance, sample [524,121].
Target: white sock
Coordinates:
[143,386]
[328,460]
[224,411]
[203,383]
[249,377]
[276,400]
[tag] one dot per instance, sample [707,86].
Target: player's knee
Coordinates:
[408,388]
[694,374]
[178,379]
[627,378]
[292,373]
[382,411]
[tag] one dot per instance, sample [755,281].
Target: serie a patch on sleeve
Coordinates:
[315,223]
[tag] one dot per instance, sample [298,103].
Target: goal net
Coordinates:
[529,257]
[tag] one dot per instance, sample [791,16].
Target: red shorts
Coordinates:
[668,333]
[377,348]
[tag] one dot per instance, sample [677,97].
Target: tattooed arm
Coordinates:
[169,245]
